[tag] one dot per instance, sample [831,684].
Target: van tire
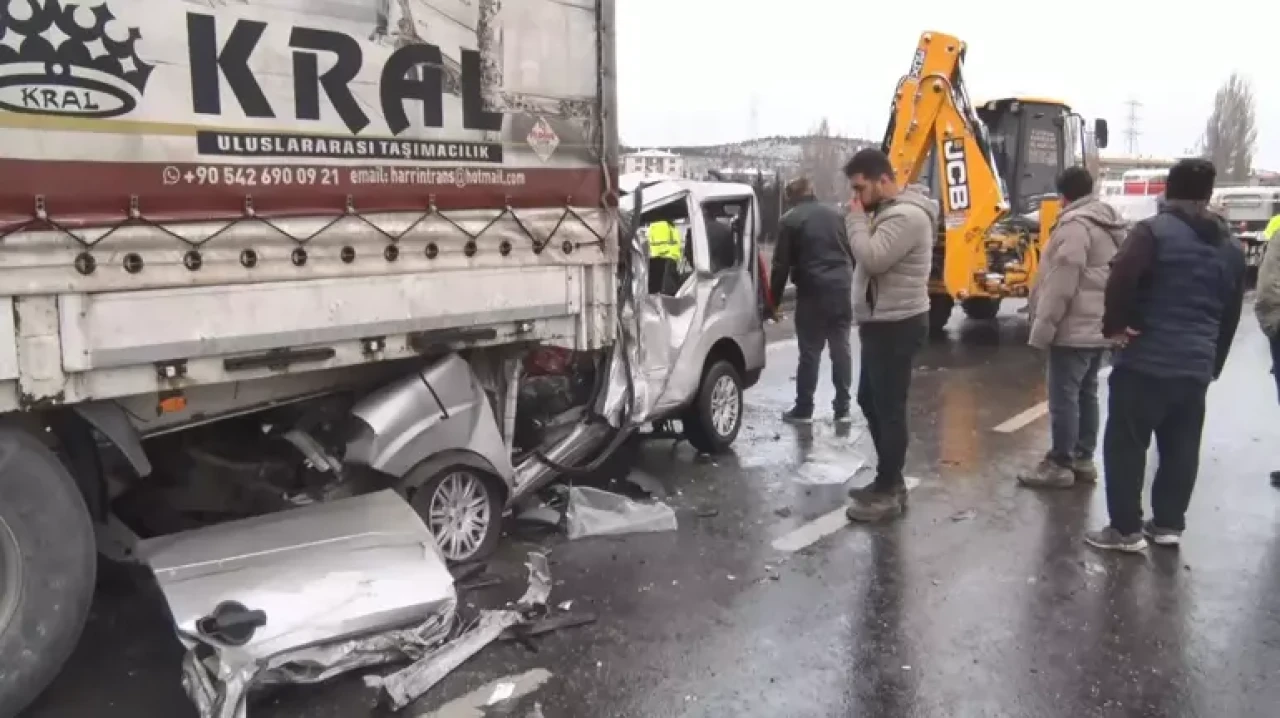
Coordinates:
[48,565]
[700,420]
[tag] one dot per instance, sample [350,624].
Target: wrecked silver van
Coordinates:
[463,439]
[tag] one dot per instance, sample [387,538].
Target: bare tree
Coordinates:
[1231,135]
[821,160]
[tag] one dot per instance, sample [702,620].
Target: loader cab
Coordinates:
[1033,141]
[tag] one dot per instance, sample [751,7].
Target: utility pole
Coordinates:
[1132,131]
[753,121]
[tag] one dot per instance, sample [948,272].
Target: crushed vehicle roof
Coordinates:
[702,190]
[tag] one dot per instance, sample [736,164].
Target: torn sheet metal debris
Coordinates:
[524,631]
[405,686]
[593,512]
[301,596]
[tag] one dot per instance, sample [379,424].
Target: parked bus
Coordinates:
[1145,182]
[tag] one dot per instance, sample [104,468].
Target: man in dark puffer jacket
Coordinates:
[1173,302]
[813,252]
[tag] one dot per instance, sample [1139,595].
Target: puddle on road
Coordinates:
[767,442]
[830,467]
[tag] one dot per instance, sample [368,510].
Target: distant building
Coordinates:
[1113,168]
[653,162]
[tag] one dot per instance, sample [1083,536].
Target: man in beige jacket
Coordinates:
[891,234]
[1066,321]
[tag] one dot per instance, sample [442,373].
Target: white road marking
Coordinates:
[1025,418]
[781,344]
[821,527]
[813,531]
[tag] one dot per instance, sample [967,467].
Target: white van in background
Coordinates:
[1247,210]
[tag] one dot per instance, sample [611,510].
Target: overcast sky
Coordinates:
[689,69]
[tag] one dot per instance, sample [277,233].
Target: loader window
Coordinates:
[1003,129]
[1043,158]
[1028,149]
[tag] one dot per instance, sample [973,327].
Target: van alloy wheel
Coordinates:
[712,421]
[459,514]
[726,405]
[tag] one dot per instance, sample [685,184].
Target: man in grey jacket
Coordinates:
[1066,321]
[892,249]
[1266,305]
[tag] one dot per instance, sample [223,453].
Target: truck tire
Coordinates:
[712,423]
[462,507]
[48,565]
[940,306]
[981,308]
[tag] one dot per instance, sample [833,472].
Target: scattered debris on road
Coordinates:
[523,631]
[593,512]
[408,684]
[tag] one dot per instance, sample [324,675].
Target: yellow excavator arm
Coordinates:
[992,170]
[932,119]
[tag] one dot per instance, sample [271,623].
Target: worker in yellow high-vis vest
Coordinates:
[1272,227]
[664,257]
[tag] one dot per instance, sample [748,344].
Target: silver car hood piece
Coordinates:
[302,596]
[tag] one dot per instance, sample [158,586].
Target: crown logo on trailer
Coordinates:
[70,60]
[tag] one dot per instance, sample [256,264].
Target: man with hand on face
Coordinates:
[891,233]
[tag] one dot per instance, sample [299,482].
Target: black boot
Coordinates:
[798,415]
[877,504]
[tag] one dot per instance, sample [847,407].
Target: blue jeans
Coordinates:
[1073,402]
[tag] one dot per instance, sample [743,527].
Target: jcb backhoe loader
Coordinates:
[992,171]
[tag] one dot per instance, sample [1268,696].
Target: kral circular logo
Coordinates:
[70,60]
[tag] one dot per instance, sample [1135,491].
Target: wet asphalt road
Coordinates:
[982,601]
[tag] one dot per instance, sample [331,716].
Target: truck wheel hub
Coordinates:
[10,574]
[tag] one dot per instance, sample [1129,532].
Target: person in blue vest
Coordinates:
[1172,305]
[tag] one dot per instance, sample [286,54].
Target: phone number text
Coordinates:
[251,176]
